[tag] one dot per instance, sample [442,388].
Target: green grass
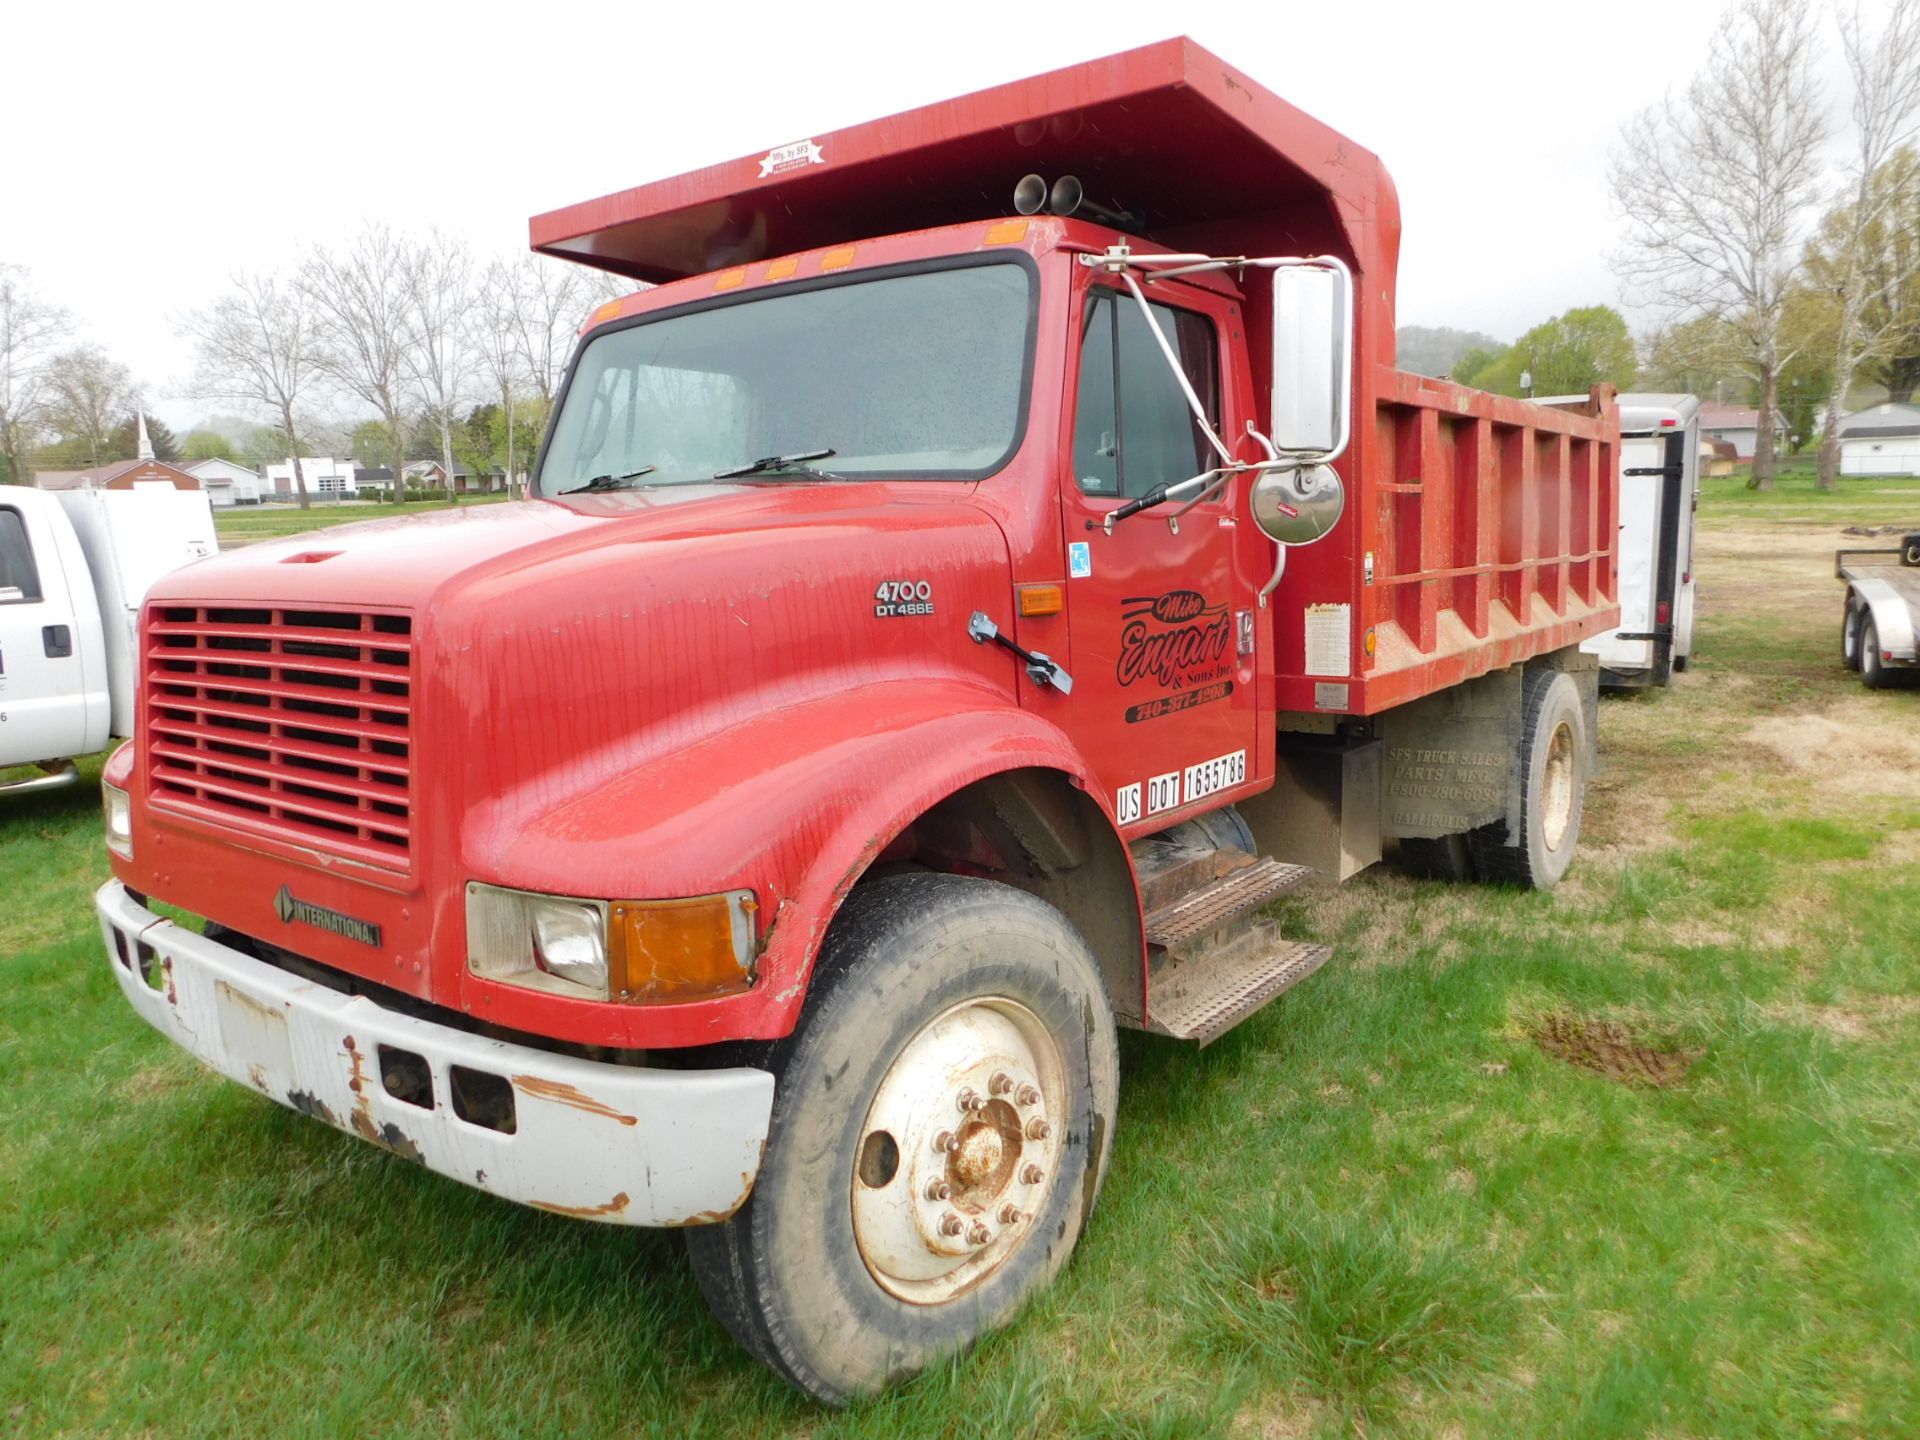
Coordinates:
[243,525]
[1381,1207]
[1859,500]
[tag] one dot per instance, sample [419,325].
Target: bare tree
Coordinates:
[1886,99]
[491,336]
[1715,187]
[30,329]
[439,280]
[360,303]
[88,397]
[255,346]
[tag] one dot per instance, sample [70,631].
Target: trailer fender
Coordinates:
[796,804]
[1892,617]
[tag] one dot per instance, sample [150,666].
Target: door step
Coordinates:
[1201,998]
[1218,903]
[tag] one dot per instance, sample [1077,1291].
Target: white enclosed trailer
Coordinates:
[1659,492]
[74,567]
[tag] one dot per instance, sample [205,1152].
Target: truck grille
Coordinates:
[293,723]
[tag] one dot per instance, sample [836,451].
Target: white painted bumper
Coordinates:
[613,1143]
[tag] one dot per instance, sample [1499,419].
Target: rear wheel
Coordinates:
[1873,669]
[1850,636]
[1553,786]
[940,1128]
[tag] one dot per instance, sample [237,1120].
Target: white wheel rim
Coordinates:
[959,1150]
[1556,808]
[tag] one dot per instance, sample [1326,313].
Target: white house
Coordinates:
[1883,440]
[1739,426]
[226,483]
[326,477]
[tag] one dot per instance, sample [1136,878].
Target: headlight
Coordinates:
[630,951]
[119,816]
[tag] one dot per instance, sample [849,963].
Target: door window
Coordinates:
[19,577]
[1132,428]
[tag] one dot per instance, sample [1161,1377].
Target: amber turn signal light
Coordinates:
[1041,600]
[660,951]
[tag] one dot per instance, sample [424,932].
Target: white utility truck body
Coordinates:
[74,568]
[1659,492]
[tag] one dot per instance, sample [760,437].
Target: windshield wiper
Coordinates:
[611,482]
[777,464]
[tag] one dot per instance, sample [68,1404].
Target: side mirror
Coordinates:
[1298,507]
[1312,357]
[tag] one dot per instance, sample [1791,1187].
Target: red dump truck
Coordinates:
[994,560]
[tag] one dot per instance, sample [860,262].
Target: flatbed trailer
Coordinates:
[1880,626]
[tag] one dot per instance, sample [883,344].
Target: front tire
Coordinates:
[941,1122]
[1554,747]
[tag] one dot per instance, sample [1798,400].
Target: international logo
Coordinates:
[1176,640]
[292,910]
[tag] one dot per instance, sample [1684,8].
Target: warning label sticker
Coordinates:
[1329,640]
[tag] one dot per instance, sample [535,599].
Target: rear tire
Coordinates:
[1873,669]
[1553,785]
[1850,636]
[836,1273]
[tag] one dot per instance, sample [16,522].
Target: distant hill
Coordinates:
[1432,349]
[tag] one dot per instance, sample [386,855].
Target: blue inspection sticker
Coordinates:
[1079,560]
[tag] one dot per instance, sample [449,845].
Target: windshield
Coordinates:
[914,376]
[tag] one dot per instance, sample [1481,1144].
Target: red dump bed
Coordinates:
[1480,530]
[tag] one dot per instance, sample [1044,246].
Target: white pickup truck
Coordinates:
[74,567]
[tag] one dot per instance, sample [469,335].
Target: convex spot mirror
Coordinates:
[1312,358]
[1297,507]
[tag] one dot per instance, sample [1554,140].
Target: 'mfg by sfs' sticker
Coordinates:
[896,598]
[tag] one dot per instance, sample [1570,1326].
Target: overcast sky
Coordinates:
[153,148]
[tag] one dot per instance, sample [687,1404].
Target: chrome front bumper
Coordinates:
[614,1143]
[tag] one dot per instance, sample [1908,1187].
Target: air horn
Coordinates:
[1067,196]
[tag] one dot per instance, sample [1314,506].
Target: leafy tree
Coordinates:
[1699,357]
[206,445]
[1467,369]
[1587,346]
[124,443]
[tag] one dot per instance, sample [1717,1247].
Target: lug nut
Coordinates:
[1038,1129]
[951,1224]
[939,1190]
[1028,1095]
[1009,1214]
[1031,1175]
[946,1142]
[979,1234]
[969,1101]
[1000,1084]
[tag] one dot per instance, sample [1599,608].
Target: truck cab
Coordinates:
[948,614]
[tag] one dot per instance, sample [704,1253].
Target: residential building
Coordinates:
[432,475]
[1881,440]
[226,482]
[1739,425]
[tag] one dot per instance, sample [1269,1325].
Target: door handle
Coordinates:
[57,641]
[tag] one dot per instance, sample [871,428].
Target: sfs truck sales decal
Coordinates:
[896,598]
[1176,640]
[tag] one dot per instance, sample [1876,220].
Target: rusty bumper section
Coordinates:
[613,1143]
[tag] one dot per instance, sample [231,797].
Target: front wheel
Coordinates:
[1553,786]
[941,1121]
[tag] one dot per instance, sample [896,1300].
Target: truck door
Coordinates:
[43,694]
[1160,613]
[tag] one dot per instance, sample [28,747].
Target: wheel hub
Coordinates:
[959,1150]
[1556,810]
